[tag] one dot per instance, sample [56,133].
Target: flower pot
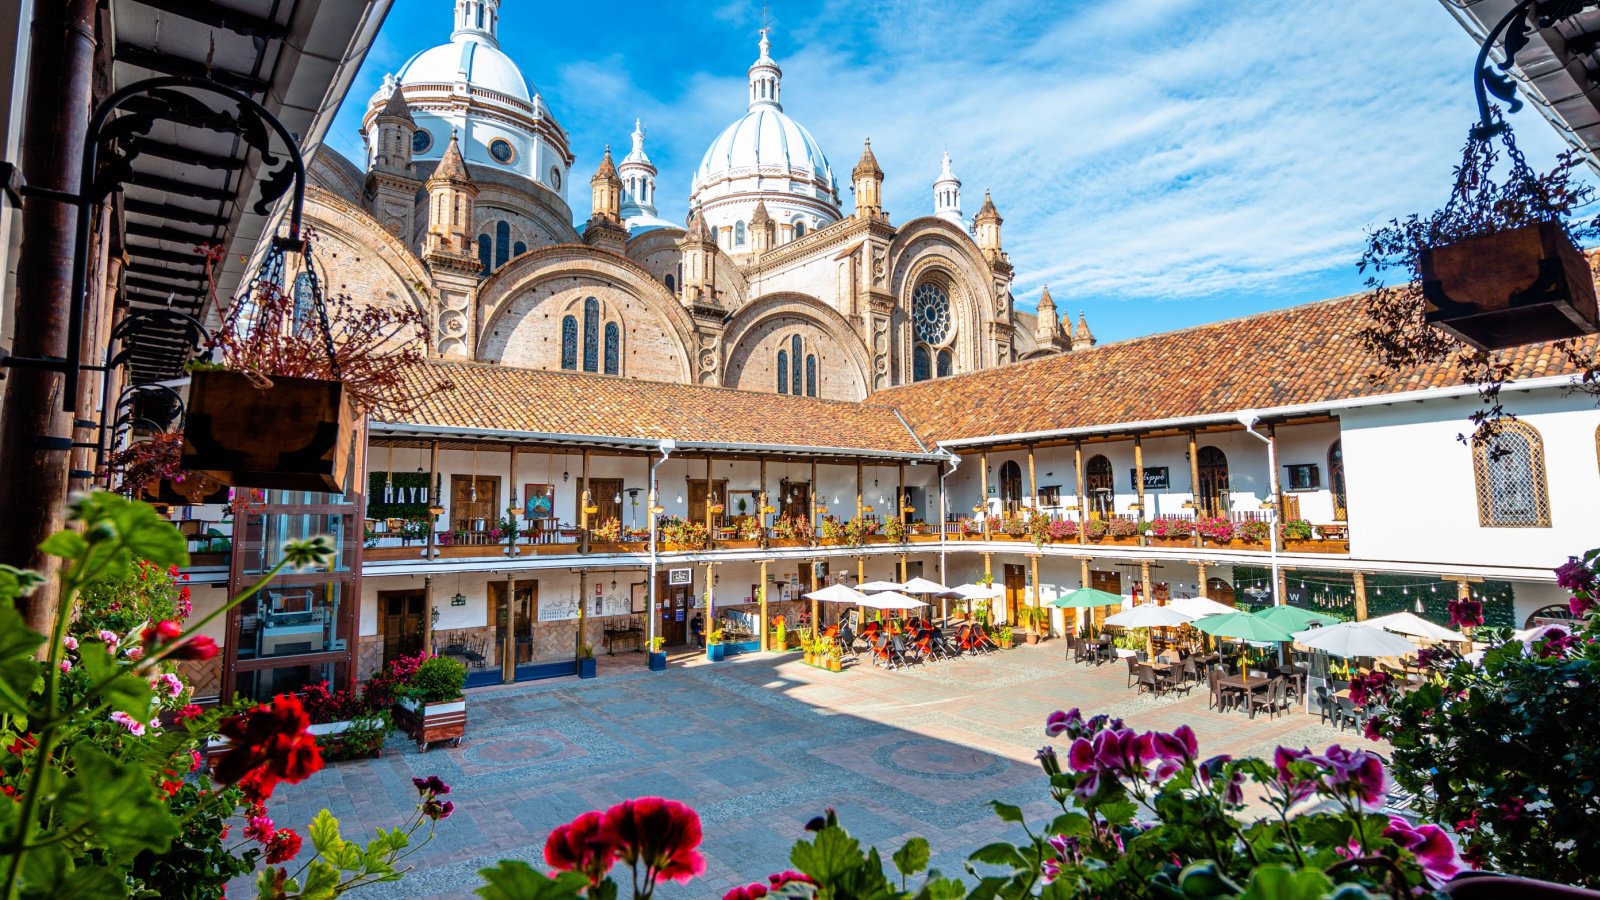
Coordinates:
[834,665]
[308,447]
[1521,286]
[810,658]
[715,652]
[658,661]
[1031,638]
[428,723]
[585,667]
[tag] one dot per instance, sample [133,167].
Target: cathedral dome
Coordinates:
[764,156]
[466,60]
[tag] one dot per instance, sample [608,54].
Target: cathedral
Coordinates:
[460,209]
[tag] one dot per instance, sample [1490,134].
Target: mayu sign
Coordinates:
[398,495]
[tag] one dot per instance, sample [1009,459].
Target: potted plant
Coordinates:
[894,529]
[347,724]
[1253,531]
[1095,530]
[1170,529]
[1215,530]
[430,705]
[1002,635]
[658,658]
[585,661]
[780,632]
[714,649]
[830,657]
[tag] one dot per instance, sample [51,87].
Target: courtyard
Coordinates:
[758,745]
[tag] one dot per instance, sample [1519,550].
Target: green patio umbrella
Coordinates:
[1243,626]
[1084,598]
[1293,618]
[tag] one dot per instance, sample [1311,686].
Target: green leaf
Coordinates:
[1073,824]
[943,889]
[831,855]
[65,544]
[1279,881]
[1000,854]
[322,881]
[913,857]
[516,880]
[126,692]
[19,671]
[1118,812]
[325,833]
[1007,812]
[115,804]
[15,582]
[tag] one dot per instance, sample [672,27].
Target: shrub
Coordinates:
[141,595]
[438,679]
[1296,530]
[1096,529]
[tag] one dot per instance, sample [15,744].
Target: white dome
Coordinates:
[471,61]
[764,138]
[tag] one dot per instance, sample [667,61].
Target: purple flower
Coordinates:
[1430,845]
[1294,787]
[1580,604]
[430,785]
[1087,786]
[1060,722]
[1357,773]
[1179,745]
[1574,575]
[1080,756]
[1048,760]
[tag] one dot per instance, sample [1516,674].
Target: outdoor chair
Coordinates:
[1295,686]
[1269,699]
[1190,672]
[1146,680]
[474,652]
[847,642]
[1325,708]
[1218,700]
[1346,714]
[881,652]
[1133,669]
[898,650]
[1074,649]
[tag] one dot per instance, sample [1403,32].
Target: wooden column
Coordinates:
[1083,510]
[711,498]
[1360,580]
[1283,585]
[816,517]
[511,491]
[762,591]
[583,603]
[861,576]
[433,479]
[761,517]
[1033,479]
[1071,621]
[1200,576]
[427,613]
[983,498]
[900,493]
[903,568]
[858,490]
[711,598]
[508,641]
[583,509]
[1038,594]
[1194,483]
[1274,540]
[1138,472]
[1144,581]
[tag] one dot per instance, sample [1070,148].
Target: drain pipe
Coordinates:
[1248,419]
[944,514]
[666,447]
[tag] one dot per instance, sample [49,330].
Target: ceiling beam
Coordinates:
[168,233]
[167,64]
[173,256]
[171,211]
[219,16]
[178,186]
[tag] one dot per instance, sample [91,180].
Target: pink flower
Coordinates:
[108,637]
[166,681]
[1356,773]
[1080,756]
[134,726]
[1059,722]
[70,642]
[135,653]
[1574,575]
[1430,845]
[1179,745]
[1294,787]
[196,760]
[65,667]
[260,829]
[1465,613]
[1580,604]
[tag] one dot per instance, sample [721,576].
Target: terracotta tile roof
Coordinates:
[492,397]
[1304,354]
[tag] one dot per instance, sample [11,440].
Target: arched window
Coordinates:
[783,371]
[519,248]
[1213,486]
[303,304]
[799,229]
[1341,508]
[480,16]
[502,243]
[921,364]
[1509,467]
[671,285]
[591,335]
[1010,486]
[569,343]
[946,362]
[797,361]
[485,252]
[613,348]
[1100,486]
[811,375]
[738,234]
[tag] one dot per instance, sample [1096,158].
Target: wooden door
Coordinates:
[400,622]
[1016,581]
[697,500]
[794,499]
[1110,582]
[1100,485]
[1220,591]
[516,641]
[673,605]
[475,504]
[605,492]
[1213,487]
[1010,487]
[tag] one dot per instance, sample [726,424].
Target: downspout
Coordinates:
[944,513]
[666,447]
[1248,419]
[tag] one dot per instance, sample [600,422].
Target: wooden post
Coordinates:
[583,509]
[1194,484]
[1274,540]
[1200,576]
[816,517]
[900,496]
[1083,510]
[1144,582]
[858,490]
[1033,480]
[711,498]
[903,568]
[583,597]
[433,478]
[1138,472]
[508,641]
[762,592]
[427,613]
[1360,580]
[711,597]
[1038,596]
[511,489]
[861,577]
[983,498]
[761,517]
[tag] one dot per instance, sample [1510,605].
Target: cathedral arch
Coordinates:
[935,251]
[832,362]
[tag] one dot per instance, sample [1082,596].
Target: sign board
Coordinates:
[680,576]
[1155,479]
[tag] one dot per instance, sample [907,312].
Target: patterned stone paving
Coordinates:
[757,745]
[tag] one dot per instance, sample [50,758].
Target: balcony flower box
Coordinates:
[738,544]
[789,542]
[429,723]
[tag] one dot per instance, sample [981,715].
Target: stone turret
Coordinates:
[986,228]
[604,229]
[391,185]
[761,229]
[699,255]
[867,181]
[1082,338]
[1047,332]
[448,252]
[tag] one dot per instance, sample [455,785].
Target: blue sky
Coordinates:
[1159,163]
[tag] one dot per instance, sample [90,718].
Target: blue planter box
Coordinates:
[586,668]
[738,647]
[658,662]
[715,652]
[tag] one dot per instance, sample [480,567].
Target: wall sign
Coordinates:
[680,576]
[1155,478]
[398,495]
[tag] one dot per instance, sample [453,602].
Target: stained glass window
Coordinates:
[738,234]
[799,230]
[519,248]
[502,244]
[613,348]
[569,343]
[783,371]
[930,313]
[946,362]
[921,365]
[796,359]
[302,301]
[591,335]
[811,375]
[485,252]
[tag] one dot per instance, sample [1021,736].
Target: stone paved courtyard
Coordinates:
[757,745]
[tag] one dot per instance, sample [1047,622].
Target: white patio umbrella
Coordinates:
[1200,607]
[1349,639]
[1415,625]
[977,591]
[892,600]
[833,593]
[1148,616]
[870,586]
[920,585]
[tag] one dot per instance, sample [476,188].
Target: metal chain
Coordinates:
[322,311]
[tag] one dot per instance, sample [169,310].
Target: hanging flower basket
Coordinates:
[306,448]
[1520,286]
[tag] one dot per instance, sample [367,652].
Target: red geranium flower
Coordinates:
[582,845]
[167,636]
[662,834]
[285,846]
[270,742]
[748,892]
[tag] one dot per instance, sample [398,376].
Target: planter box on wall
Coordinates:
[307,447]
[432,722]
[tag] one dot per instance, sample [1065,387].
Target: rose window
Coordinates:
[930,314]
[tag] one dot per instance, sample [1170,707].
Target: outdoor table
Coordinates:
[1165,670]
[1246,685]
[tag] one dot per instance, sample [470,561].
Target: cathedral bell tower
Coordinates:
[604,230]
[1047,332]
[391,186]
[448,251]
[867,181]
[699,251]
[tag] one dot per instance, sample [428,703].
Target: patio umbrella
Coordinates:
[1148,616]
[1200,607]
[1243,626]
[1293,618]
[1415,625]
[977,591]
[870,586]
[1350,639]
[833,593]
[920,585]
[892,600]
[1084,598]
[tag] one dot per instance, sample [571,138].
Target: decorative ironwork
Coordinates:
[1510,476]
[1517,26]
